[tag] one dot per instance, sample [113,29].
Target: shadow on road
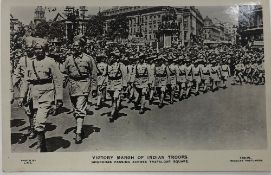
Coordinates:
[54,143]
[17,122]
[87,130]
[63,110]
[89,112]
[103,105]
[50,127]
[18,138]
[117,116]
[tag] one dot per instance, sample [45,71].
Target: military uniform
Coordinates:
[19,80]
[141,76]
[101,75]
[215,73]
[161,77]
[43,80]
[225,71]
[205,76]
[172,75]
[189,75]
[205,70]
[116,78]
[181,77]
[82,75]
[141,84]
[81,72]
[130,81]
[238,71]
[116,81]
[261,73]
[196,73]
[152,75]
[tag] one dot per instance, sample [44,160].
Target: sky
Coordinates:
[227,14]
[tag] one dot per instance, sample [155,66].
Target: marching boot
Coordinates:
[32,134]
[30,129]
[78,135]
[141,111]
[171,100]
[41,142]
[151,101]
[78,138]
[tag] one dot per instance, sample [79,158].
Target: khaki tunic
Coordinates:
[86,67]
[47,92]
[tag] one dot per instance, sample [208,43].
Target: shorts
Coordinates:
[173,80]
[215,77]
[160,81]
[114,85]
[197,79]
[182,84]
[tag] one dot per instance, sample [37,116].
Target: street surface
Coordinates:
[228,119]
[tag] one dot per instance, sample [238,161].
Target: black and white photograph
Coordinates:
[137,78]
[143,86]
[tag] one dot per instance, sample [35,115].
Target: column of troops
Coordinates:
[41,70]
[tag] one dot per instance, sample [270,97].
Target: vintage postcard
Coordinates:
[136,85]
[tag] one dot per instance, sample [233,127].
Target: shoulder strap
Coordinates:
[25,61]
[34,69]
[165,71]
[76,66]
[136,70]
[89,71]
[146,70]
[119,70]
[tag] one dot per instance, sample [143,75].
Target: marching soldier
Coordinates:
[172,78]
[101,79]
[19,80]
[225,73]
[253,73]
[80,69]
[260,72]
[181,77]
[141,82]
[189,77]
[43,81]
[160,79]
[151,77]
[205,72]
[215,75]
[196,69]
[131,79]
[116,81]
[238,72]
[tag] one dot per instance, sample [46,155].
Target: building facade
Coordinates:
[159,23]
[211,31]
[39,15]
[218,32]
[250,25]
[74,20]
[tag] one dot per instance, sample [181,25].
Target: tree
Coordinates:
[95,26]
[118,28]
[56,30]
[42,29]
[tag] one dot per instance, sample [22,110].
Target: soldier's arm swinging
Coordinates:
[93,70]
[58,83]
